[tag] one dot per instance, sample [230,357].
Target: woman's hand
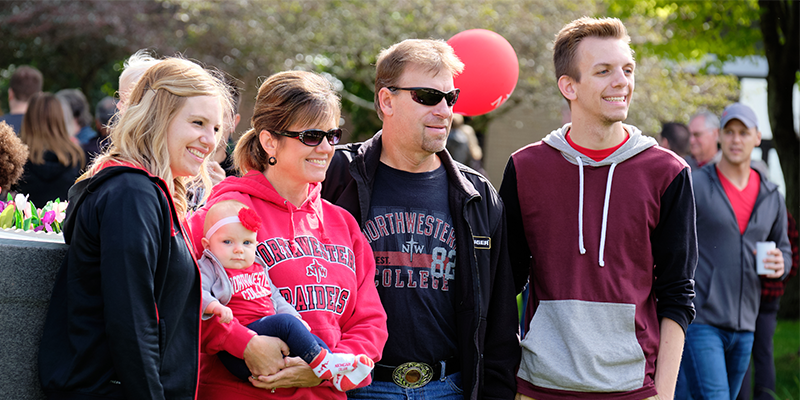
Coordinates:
[296,374]
[264,355]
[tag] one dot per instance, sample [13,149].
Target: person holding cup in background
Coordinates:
[736,209]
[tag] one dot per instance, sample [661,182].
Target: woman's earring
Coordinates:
[272,160]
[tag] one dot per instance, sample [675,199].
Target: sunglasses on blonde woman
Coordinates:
[313,137]
[430,96]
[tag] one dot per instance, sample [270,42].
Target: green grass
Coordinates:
[786,344]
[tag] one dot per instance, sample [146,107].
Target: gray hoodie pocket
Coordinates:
[583,346]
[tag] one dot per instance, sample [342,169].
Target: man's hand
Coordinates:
[774,261]
[264,355]
[296,374]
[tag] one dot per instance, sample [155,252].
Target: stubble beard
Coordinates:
[434,146]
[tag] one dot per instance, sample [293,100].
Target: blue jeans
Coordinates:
[714,362]
[446,388]
[286,327]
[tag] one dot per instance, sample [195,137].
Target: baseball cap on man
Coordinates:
[741,112]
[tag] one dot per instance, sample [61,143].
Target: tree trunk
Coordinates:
[780,26]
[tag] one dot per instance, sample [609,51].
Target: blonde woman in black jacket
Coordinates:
[124,318]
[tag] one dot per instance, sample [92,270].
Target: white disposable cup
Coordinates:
[761,254]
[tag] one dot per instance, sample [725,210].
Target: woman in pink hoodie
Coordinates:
[315,253]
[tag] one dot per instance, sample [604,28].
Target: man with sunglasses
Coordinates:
[603,220]
[438,235]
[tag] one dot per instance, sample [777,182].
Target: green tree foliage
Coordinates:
[78,44]
[252,39]
[342,38]
[690,30]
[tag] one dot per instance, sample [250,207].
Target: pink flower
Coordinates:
[48,219]
[60,211]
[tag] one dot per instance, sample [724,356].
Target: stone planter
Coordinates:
[28,266]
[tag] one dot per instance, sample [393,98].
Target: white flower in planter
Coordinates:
[22,205]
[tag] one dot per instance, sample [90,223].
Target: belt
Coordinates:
[413,374]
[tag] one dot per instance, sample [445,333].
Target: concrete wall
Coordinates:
[28,270]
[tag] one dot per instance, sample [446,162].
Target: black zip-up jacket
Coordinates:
[124,316]
[486,310]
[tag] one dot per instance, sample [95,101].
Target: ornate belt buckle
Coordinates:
[412,375]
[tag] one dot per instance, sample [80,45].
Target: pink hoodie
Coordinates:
[320,262]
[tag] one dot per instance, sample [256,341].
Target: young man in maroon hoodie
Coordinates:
[602,219]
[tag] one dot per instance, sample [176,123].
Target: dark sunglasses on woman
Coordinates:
[313,137]
[430,96]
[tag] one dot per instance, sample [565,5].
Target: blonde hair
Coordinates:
[431,55]
[140,136]
[285,99]
[43,130]
[132,70]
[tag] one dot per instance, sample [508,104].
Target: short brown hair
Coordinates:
[285,99]
[13,155]
[565,47]
[26,81]
[431,55]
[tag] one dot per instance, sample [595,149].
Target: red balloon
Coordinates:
[491,70]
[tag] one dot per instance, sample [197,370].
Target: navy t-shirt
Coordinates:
[410,230]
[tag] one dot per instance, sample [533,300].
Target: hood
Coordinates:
[256,185]
[635,144]
[78,192]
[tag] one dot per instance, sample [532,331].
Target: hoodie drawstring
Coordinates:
[605,215]
[580,208]
[605,212]
[323,233]
[291,224]
[318,212]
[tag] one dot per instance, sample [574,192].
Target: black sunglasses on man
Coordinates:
[430,96]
